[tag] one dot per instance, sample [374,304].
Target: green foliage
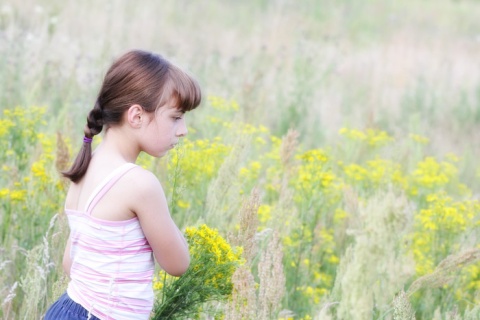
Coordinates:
[208,278]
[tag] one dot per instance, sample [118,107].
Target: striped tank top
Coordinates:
[112,262]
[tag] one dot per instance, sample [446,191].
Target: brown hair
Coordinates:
[137,77]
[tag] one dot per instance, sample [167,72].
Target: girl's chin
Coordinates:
[158,154]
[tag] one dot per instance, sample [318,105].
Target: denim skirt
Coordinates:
[67,309]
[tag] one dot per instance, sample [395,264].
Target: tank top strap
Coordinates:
[106,185]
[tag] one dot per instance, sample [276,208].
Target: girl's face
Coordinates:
[162,132]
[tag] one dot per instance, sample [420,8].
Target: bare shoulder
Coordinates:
[143,180]
[144,188]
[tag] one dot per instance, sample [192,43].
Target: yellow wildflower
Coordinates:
[264,213]
[183,204]
[4,192]
[18,195]
[419,139]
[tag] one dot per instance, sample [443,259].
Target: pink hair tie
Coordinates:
[87,140]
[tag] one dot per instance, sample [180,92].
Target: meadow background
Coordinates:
[337,143]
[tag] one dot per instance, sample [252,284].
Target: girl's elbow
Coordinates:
[180,268]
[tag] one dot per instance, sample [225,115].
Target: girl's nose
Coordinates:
[182,129]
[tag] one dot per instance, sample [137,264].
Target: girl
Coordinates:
[117,211]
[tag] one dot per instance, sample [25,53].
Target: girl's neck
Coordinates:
[117,146]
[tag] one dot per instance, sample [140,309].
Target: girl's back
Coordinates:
[116,204]
[110,261]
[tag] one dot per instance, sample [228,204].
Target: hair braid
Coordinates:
[94,121]
[93,127]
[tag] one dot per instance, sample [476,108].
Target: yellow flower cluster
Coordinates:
[21,122]
[39,167]
[373,137]
[242,128]
[18,195]
[31,187]
[375,173]
[313,294]
[419,139]
[267,164]
[471,276]
[198,160]
[161,279]
[205,239]
[313,174]
[264,213]
[222,104]
[191,166]
[297,238]
[227,107]
[438,227]
[5,125]
[431,174]
[213,262]
[251,171]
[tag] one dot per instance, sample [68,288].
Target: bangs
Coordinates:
[184,89]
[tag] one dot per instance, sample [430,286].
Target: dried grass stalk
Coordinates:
[62,159]
[243,304]
[287,149]
[402,309]
[63,156]
[36,277]
[223,191]
[272,278]
[8,300]
[324,313]
[377,264]
[248,226]
[442,273]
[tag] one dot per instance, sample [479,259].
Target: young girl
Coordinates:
[117,211]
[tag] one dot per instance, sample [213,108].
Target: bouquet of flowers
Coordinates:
[213,262]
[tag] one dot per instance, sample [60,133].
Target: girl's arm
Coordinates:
[167,241]
[184,240]
[67,261]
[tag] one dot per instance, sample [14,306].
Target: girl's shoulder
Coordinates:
[142,179]
[143,185]
[146,196]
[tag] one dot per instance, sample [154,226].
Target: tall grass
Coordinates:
[351,121]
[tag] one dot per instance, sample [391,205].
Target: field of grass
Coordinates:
[337,143]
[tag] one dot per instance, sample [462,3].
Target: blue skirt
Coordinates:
[67,309]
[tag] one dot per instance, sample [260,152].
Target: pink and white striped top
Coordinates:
[112,262]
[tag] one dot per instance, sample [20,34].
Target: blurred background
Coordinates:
[312,65]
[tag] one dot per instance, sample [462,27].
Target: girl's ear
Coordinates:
[135,115]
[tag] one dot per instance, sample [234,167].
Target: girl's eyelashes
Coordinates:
[178,116]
